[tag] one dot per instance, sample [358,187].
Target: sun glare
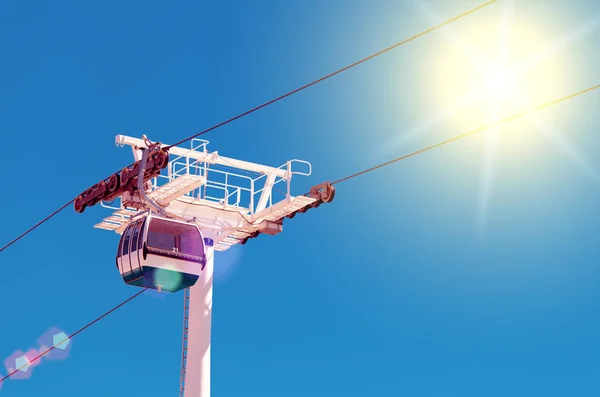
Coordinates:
[498,83]
[499,66]
[487,70]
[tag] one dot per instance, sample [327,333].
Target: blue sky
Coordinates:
[424,279]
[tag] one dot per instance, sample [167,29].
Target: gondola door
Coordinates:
[120,254]
[135,252]
[123,259]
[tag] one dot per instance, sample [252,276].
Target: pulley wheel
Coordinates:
[125,176]
[134,170]
[99,192]
[113,183]
[328,194]
[151,163]
[162,159]
[79,204]
[100,189]
[88,195]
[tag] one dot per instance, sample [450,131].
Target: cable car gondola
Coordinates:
[161,253]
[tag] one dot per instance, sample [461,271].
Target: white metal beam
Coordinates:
[210,158]
[137,153]
[266,193]
[197,379]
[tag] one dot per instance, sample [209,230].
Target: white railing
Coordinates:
[288,166]
[228,187]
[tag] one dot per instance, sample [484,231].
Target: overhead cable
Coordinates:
[68,338]
[411,38]
[446,22]
[469,133]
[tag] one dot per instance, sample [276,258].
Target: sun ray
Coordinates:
[560,142]
[457,104]
[522,101]
[493,81]
[530,62]
[492,138]
[424,128]
[501,81]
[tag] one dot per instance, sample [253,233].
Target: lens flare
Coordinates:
[167,279]
[57,338]
[154,294]
[227,262]
[22,363]
[61,341]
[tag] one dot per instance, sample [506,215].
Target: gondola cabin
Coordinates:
[161,253]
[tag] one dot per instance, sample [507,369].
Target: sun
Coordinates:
[479,73]
[498,83]
[482,72]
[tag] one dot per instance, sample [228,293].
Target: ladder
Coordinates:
[184,342]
